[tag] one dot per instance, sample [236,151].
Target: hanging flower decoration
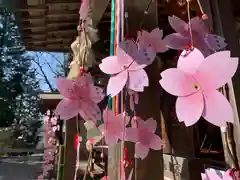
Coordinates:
[153,40]
[80,97]
[195,81]
[133,98]
[113,126]
[126,68]
[212,175]
[195,31]
[93,133]
[84,8]
[143,134]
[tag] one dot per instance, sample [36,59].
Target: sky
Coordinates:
[47,59]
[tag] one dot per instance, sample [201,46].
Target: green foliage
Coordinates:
[19,89]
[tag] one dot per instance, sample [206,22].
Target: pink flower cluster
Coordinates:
[50,126]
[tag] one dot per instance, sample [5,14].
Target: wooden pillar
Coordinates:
[225,25]
[70,151]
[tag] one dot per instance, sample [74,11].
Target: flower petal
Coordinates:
[138,80]
[90,111]
[204,176]
[141,151]
[212,175]
[116,83]
[131,134]
[157,33]
[65,87]
[67,109]
[190,108]
[157,43]
[178,25]
[155,142]
[227,176]
[110,139]
[200,43]
[110,65]
[217,109]
[189,61]
[160,46]
[145,57]
[198,26]
[176,41]
[177,83]
[215,42]
[216,70]
[84,8]
[108,115]
[84,80]
[151,124]
[96,94]
[127,51]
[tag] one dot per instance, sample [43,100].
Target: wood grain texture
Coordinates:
[224,23]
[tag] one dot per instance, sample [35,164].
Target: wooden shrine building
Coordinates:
[50,25]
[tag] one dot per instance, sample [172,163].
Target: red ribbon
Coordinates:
[188,48]
[76,141]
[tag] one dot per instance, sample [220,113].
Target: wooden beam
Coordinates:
[50,27]
[57,41]
[61,33]
[62,1]
[32,9]
[47,49]
[70,152]
[33,36]
[64,6]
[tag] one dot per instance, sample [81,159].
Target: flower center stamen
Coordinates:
[196,86]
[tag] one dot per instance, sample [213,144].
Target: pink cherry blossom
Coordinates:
[196,81]
[153,39]
[80,96]
[212,175]
[84,8]
[113,127]
[143,134]
[126,68]
[205,42]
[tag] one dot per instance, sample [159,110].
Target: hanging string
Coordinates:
[145,13]
[78,148]
[88,163]
[189,22]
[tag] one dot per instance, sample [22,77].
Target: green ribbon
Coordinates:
[113,10]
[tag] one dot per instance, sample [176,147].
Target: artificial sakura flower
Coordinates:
[153,40]
[202,39]
[143,134]
[133,98]
[126,68]
[84,8]
[196,81]
[80,96]
[113,126]
[212,175]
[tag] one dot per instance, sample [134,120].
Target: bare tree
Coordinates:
[44,61]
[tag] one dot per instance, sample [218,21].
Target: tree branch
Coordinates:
[37,62]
